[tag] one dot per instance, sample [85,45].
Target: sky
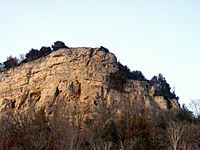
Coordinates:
[154,36]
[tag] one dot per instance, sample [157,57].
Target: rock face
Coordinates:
[78,76]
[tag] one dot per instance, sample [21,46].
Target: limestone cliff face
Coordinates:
[75,75]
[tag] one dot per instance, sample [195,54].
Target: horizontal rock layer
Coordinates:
[78,76]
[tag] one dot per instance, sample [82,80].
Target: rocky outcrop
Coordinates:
[75,75]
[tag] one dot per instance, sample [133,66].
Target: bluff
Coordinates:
[77,76]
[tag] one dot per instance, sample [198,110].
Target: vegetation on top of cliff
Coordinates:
[162,88]
[32,55]
[35,54]
[117,79]
[135,75]
[104,49]
[58,44]
[11,62]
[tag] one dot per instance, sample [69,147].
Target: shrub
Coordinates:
[33,54]
[104,49]
[135,75]
[184,114]
[57,45]
[11,62]
[110,132]
[44,51]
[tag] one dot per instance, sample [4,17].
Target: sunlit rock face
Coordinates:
[77,76]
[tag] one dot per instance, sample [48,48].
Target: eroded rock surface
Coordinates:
[75,75]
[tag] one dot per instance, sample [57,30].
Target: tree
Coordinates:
[162,87]
[195,107]
[22,58]
[24,130]
[58,44]
[174,134]
[11,62]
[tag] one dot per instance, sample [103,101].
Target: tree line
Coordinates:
[162,88]
[33,54]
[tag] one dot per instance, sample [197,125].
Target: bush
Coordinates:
[33,54]
[104,49]
[58,44]
[135,75]
[111,133]
[11,62]
[184,115]
[44,51]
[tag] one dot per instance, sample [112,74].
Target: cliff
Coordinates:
[78,76]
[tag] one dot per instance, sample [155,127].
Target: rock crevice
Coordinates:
[75,74]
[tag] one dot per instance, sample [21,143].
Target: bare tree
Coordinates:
[25,130]
[195,107]
[174,133]
[191,137]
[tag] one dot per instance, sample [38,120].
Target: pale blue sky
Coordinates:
[154,36]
